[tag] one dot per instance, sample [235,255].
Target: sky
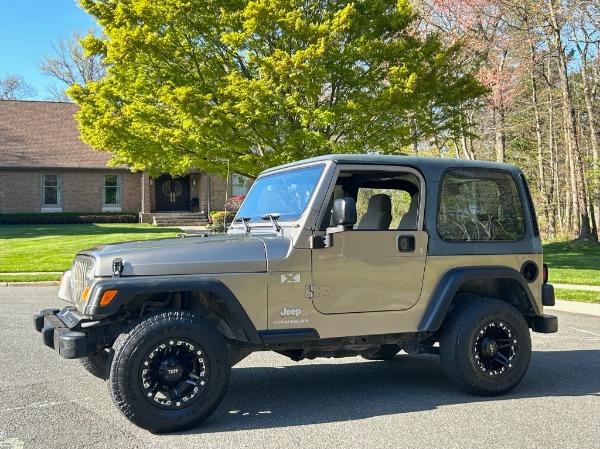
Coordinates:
[28,28]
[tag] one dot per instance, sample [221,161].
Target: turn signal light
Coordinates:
[545,274]
[86,294]
[107,297]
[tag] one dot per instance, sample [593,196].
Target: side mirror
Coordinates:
[344,212]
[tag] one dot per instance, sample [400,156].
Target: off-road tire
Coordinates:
[385,352]
[169,372]
[96,364]
[485,346]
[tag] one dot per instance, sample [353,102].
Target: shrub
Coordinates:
[234,202]
[68,218]
[217,216]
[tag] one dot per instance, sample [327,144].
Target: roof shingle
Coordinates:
[39,134]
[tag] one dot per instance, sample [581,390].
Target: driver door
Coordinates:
[378,264]
[369,271]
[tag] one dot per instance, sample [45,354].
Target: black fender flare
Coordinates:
[450,283]
[129,287]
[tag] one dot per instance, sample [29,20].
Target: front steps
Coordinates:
[176,219]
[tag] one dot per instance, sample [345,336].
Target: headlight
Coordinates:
[82,272]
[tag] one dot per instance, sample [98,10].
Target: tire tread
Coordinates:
[457,328]
[134,335]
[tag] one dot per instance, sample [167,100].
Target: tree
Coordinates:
[194,83]
[541,61]
[70,65]
[14,87]
[582,221]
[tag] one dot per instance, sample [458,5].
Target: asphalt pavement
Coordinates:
[49,402]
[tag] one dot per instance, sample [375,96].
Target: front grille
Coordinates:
[81,266]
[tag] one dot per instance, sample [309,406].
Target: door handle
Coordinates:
[405,243]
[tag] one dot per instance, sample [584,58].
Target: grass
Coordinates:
[573,262]
[577,295]
[29,277]
[51,248]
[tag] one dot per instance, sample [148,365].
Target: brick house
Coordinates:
[45,167]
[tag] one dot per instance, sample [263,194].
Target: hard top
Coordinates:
[429,166]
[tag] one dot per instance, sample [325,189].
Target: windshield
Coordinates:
[285,194]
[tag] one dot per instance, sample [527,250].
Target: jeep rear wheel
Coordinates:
[485,346]
[169,372]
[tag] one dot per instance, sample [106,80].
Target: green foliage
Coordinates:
[217,217]
[68,218]
[191,83]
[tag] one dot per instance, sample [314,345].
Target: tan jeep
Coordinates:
[336,256]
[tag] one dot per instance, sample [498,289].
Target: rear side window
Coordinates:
[479,205]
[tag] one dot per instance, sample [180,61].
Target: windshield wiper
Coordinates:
[273,217]
[244,220]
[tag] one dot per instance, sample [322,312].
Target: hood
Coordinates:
[189,255]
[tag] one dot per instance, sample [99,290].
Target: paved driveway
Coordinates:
[49,402]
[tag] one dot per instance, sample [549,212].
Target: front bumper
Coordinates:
[74,335]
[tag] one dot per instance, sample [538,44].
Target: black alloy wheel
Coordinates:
[495,348]
[174,373]
[169,372]
[485,346]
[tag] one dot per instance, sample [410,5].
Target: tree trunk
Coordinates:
[465,142]
[499,127]
[571,207]
[578,186]
[588,96]
[538,136]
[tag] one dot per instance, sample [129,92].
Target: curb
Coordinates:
[587,288]
[30,284]
[581,308]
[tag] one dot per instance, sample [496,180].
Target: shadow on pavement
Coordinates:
[310,394]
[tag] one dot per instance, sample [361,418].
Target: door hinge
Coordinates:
[315,291]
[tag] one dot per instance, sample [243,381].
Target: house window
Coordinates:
[239,185]
[111,193]
[51,193]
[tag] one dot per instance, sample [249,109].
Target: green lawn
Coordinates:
[573,262]
[577,295]
[51,248]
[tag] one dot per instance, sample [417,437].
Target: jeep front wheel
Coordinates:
[97,363]
[169,372]
[485,346]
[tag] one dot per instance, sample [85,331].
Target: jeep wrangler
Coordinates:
[334,256]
